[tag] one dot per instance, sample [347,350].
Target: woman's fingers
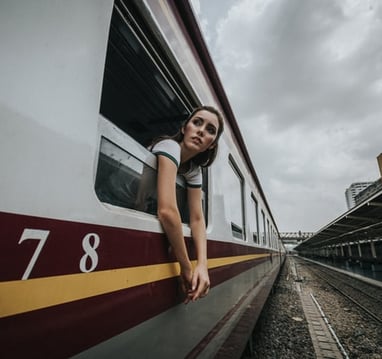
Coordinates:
[201,291]
[205,292]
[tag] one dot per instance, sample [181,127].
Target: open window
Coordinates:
[141,100]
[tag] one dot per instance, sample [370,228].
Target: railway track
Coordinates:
[292,314]
[365,296]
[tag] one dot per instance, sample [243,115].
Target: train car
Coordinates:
[85,86]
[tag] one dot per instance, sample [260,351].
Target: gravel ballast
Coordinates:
[282,330]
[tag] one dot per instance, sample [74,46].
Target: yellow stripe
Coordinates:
[25,295]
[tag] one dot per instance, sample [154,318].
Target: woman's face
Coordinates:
[200,131]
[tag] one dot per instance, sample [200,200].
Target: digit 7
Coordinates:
[40,235]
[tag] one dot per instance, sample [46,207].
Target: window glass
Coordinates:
[135,95]
[253,220]
[233,184]
[263,230]
[125,181]
[271,238]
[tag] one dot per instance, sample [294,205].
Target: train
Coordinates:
[85,86]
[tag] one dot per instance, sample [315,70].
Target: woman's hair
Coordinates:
[206,158]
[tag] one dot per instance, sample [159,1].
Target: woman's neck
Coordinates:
[185,154]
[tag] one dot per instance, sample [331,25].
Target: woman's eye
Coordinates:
[211,131]
[197,122]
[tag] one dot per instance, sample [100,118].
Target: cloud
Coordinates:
[305,81]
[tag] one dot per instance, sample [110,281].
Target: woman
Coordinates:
[194,146]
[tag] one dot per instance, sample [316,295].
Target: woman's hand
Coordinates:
[186,280]
[200,283]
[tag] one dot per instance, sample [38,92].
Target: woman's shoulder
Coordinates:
[169,148]
[166,142]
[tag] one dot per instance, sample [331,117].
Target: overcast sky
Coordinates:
[304,79]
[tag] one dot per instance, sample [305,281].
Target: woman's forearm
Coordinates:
[199,236]
[172,225]
[200,280]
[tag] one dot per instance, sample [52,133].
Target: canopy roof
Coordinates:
[363,222]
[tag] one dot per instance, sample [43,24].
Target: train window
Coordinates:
[254,219]
[263,229]
[271,237]
[274,238]
[234,200]
[141,96]
[125,181]
[136,95]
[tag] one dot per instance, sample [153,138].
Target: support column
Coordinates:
[349,247]
[367,263]
[373,251]
[359,249]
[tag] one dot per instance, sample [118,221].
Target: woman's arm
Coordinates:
[200,279]
[169,217]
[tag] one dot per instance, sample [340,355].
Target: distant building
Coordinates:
[353,190]
[360,191]
[379,160]
[368,191]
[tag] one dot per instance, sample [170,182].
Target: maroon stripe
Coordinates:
[64,330]
[217,249]
[63,249]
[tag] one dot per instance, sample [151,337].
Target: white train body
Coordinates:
[84,276]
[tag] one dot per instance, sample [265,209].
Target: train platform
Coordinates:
[304,318]
[366,277]
[324,339]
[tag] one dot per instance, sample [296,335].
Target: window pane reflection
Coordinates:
[123,180]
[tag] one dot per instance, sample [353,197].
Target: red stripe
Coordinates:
[63,249]
[64,330]
[62,252]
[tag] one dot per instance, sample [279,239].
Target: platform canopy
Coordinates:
[362,222]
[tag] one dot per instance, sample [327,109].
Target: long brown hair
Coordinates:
[206,158]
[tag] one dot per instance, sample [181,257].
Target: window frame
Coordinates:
[235,227]
[125,143]
[156,48]
[264,233]
[256,209]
